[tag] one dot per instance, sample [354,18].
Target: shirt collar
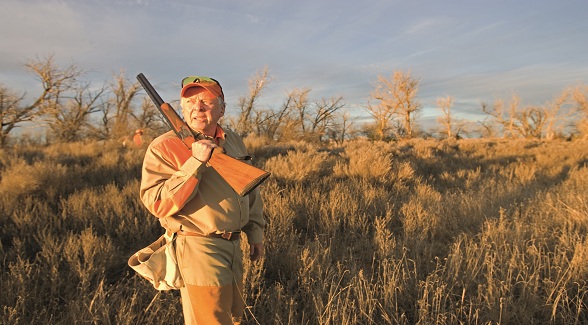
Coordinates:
[220,133]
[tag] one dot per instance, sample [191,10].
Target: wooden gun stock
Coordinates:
[241,176]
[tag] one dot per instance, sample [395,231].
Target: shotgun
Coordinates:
[241,176]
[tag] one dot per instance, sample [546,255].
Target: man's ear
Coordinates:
[224,106]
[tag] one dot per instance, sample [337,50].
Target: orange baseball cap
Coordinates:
[207,83]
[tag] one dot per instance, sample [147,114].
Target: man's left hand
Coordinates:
[256,251]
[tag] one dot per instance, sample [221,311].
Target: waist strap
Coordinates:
[235,235]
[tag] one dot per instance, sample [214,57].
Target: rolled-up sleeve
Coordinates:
[170,177]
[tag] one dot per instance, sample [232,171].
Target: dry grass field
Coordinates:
[485,231]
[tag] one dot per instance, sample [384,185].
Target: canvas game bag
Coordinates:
[158,264]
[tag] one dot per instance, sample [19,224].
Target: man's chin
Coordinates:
[200,127]
[197,126]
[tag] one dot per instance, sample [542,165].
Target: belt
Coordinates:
[235,235]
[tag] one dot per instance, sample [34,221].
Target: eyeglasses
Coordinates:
[200,79]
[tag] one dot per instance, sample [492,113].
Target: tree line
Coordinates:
[72,109]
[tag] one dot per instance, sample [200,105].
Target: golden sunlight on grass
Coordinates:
[487,231]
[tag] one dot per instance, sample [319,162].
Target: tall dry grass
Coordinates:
[415,232]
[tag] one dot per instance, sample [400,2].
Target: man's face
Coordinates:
[202,110]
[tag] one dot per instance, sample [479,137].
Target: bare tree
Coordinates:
[67,116]
[396,98]
[382,115]
[247,103]
[300,105]
[446,120]
[323,118]
[340,128]
[102,128]
[511,122]
[288,122]
[451,127]
[54,80]
[488,127]
[148,117]
[11,113]
[579,97]
[556,115]
[282,125]
[279,124]
[123,92]
[501,116]
[515,121]
[533,121]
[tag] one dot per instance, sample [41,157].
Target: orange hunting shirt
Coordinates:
[175,185]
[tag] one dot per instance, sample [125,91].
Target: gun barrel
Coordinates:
[167,112]
[150,90]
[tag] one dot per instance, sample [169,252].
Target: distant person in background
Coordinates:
[190,198]
[138,138]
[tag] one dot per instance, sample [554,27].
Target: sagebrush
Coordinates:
[412,232]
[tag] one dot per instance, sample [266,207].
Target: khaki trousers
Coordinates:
[212,269]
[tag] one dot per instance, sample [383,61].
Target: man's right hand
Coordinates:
[202,149]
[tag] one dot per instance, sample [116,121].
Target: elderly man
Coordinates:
[192,199]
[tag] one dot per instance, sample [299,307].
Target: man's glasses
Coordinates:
[199,79]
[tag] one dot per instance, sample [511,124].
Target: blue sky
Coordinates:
[474,51]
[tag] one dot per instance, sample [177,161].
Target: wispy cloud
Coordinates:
[427,25]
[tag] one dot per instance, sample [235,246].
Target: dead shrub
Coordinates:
[366,160]
[299,165]
[20,179]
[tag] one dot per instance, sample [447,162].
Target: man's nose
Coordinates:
[199,106]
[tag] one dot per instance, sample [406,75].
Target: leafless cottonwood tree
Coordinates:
[301,106]
[383,116]
[123,93]
[341,128]
[579,98]
[510,118]
[148,117]
[557,114]
[560,114]
[531,121]
[12,113]
[282,123]
[67,115]
[54,81]
[322,121]
[102,127]
[446,120]
[500,116]
[247,103]
[298,117]
[488,128]
[396,98]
